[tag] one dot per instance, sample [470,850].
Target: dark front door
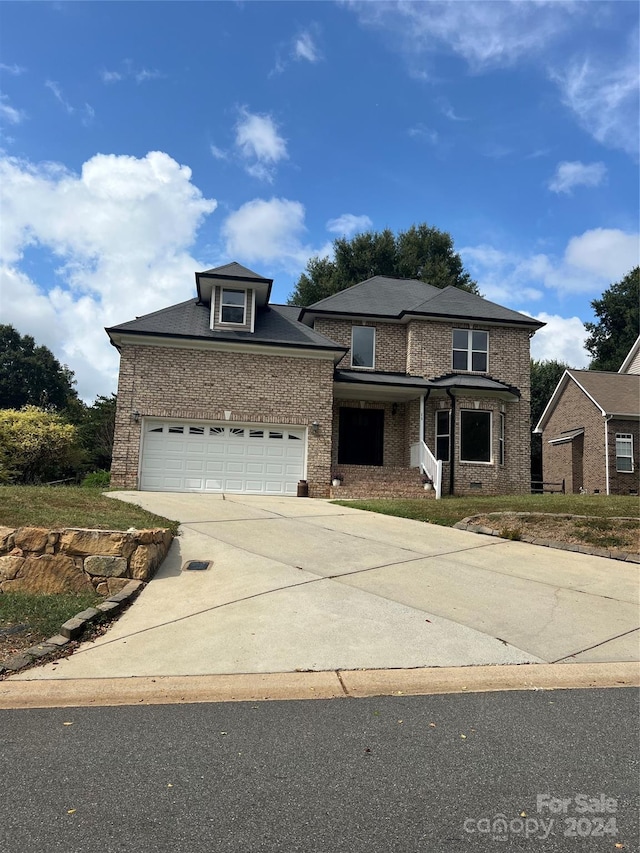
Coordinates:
[360,436]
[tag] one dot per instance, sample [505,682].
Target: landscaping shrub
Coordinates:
[97,480]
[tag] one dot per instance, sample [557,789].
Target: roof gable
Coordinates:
[611,393]
[631,364]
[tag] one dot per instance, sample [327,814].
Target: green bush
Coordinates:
[96,480]
[36,446]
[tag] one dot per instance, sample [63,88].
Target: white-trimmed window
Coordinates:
[363,346]
[624,452]
[233,306]
[501,439]
[443,434]
[475,435]
[470,350]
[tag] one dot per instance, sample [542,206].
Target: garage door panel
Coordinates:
[216,458]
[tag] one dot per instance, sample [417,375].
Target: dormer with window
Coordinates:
[234,295]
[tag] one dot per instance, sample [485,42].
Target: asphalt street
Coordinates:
[540,770]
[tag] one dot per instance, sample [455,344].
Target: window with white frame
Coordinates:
[233,305]
[475,436]
[443,434]
[470,350]
[501,439]
[363,346]
[624,452]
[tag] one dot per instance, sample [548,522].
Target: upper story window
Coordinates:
[363,346]
[233,306]
[470,350]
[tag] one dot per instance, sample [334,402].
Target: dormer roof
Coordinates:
[233,275]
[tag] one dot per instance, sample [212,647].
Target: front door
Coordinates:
[360,436]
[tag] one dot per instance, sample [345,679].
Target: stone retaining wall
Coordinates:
[37,559]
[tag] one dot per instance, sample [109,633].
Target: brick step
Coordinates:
[377,482]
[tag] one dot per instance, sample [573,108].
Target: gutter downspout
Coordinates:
[607,418]
[452,436]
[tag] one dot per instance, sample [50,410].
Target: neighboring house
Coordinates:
[228,392]
[590,429]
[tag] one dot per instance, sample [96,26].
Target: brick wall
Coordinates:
[574,410]
[622,483]
[391,342]
[168,382]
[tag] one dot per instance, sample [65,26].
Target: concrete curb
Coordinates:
[340,684]
[468,524]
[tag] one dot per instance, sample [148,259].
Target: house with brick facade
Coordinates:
[381,386]
[590,430]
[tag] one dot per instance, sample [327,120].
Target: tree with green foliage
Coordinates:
[96,428]
[37,446]
[545,376]
[618,318]
[31,375]
[422,252]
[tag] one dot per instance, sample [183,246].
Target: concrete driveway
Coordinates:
[300,584]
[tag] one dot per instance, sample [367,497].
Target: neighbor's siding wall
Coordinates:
[168,382]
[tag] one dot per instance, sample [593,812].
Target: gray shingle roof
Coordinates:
[371,377]
[381,296]
[234,269]
[616,393]
[473,383]
[189,319]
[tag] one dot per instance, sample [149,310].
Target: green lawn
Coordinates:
[43,614]
[72,506]
[448,511]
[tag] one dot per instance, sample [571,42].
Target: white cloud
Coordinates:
[111,76]
[562,339]
[218,153]
[604,97]
[116,239]
[15,70]
[268,231]
[10,114]
[605,252]
[349,224]
[305,48]
[129,71]
[484,34]
[421,131]
[589,264]
[57,91]
[576,174]
[259,144]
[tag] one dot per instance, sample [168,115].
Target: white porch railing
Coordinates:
[423,458]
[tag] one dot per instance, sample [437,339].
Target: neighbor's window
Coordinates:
[470,350]
[363,346]
[232,306]
[443,434]
[475,436]
[624,452]
[501,439]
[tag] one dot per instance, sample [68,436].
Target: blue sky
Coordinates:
[143,141]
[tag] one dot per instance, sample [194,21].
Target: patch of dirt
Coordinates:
[618,535]
[16,638]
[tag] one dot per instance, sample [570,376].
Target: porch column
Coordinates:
[421,417]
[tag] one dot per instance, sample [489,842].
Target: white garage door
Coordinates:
[197,457]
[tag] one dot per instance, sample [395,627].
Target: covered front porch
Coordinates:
[378,449]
